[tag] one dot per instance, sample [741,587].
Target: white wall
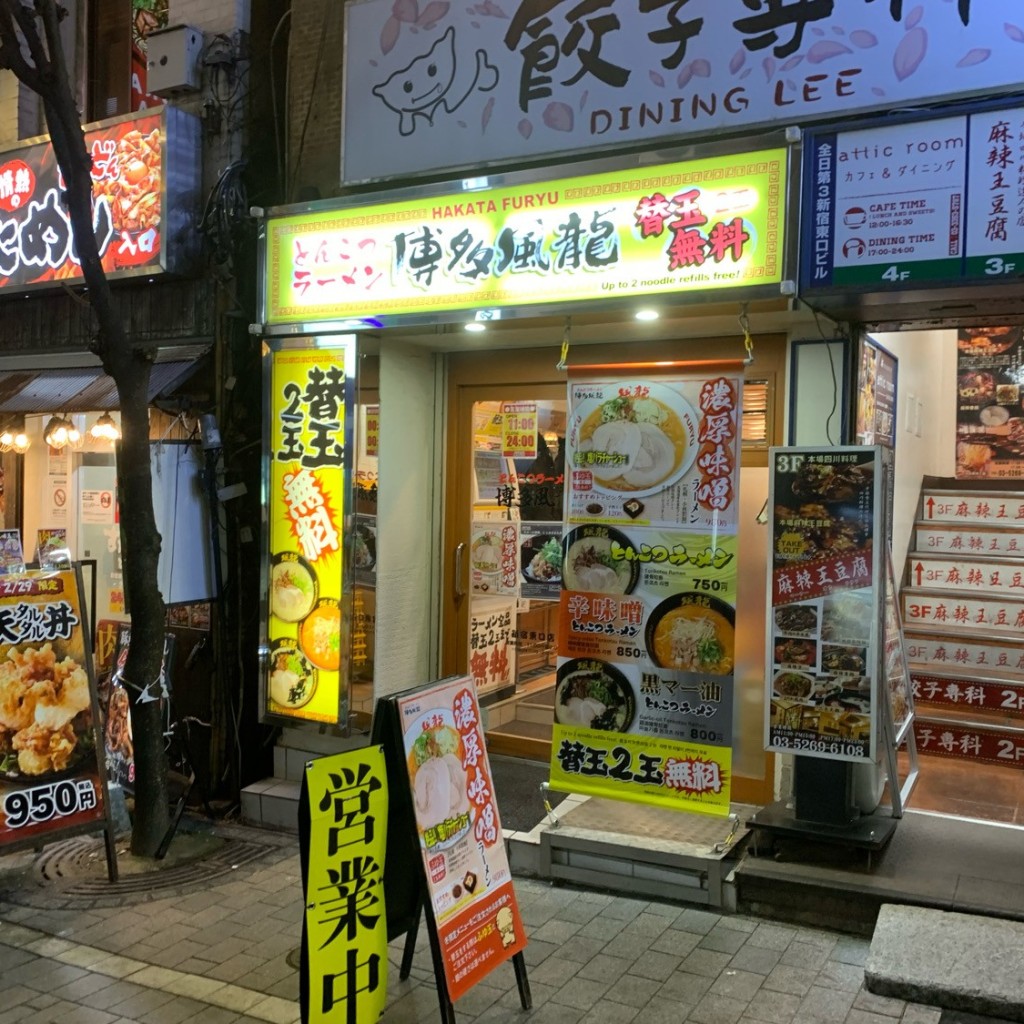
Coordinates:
[407,520]
[927,379]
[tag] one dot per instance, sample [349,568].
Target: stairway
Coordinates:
[963,619]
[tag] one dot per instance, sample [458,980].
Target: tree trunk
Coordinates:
[43,69]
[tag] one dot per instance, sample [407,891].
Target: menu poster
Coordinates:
[52,551]
[493,556]
[12,560]
[492,641]
[51,755]
[308,462]
[343,828]
[540,561]
[876,395]
[823,601]
[644,685]
[990,416]
[468,876]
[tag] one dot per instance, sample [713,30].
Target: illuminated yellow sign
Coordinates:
[701,225]
[310,406]
[346,941]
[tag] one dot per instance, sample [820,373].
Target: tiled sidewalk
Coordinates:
[221,956]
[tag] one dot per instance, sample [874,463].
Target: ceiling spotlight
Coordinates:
[475,326]
[105,429]
[646,314]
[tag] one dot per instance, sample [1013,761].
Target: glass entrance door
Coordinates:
[515,564]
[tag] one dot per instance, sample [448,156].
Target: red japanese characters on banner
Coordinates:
[970,743]
[717,437]
[1007,698]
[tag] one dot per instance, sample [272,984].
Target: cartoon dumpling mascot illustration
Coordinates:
[433,80]
[506,927]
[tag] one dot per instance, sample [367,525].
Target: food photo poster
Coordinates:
[644,684]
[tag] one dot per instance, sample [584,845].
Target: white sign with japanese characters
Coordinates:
[431,86]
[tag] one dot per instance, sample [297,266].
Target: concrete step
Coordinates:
[942,958]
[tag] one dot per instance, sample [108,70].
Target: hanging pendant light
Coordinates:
[105,429]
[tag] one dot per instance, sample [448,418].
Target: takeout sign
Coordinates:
[36,242]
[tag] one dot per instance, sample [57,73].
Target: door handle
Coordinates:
[460,558]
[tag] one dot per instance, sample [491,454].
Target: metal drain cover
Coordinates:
[73,873]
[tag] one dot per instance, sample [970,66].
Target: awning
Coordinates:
[87,388]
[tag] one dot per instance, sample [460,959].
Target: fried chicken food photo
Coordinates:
[39,699]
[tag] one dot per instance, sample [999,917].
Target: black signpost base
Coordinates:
[870,832]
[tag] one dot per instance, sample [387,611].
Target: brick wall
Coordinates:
[314,96]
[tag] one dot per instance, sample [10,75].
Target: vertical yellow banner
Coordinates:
[346,924]
[310,413]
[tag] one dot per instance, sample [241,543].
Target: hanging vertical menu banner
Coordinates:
[823,601]
[644,692]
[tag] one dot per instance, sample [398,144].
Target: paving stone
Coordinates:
[737,984]
[866,1000]
[724,940]
[714,1009]
[655,966]
[604,967]
[756,959]
[580,993]
[805,954]
[632,991]
[708,962]
[774,1007]
[826,1003]
[793,980]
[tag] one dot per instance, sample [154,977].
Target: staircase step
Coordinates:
[956,613]
[942,958]
[948,538]
[982,575]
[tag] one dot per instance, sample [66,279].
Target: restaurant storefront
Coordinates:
[484,527]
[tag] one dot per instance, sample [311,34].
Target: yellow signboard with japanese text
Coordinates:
[703,225]
[345,935]
[307,479]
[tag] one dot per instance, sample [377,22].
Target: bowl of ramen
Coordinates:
[292,678]
[594,695]
[541,559]
[293,587]
[590,561]
[792,685]
[320,636]
[485,552]
[635,444]
[692,632]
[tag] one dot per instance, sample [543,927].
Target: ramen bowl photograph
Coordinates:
[593,694]
[637,444]
[692,632]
